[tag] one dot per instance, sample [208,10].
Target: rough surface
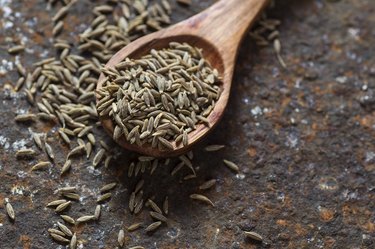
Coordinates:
[304,139]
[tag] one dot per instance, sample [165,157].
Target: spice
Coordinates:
[161,97]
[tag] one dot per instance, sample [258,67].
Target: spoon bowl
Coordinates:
[218,31]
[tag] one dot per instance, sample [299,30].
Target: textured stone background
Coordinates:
[304,139]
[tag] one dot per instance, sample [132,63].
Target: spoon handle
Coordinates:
[225,23]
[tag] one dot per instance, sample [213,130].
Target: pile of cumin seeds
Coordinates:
[62,88]
[161,97]
[117,23]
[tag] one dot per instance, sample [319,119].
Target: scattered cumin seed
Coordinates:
[152,227]
[108,187]
[121,238]
[68,189]
[254,236]
[158,216]
[231,165]
[166,205]
[16,49]
[25,153]
[208,184]
[66,167]
[65,229]
[202,198]
[134,226]
[85,218]
[154,206]
[68,219]
[73,242]
[184,2]
[103,197]
[10,211]
[277,47]
[55,231]
[72,196]
[59,238]
[62,206]
[97,211]
[56,203]
[40,165]
[214,147]
[25,117]
[37,141]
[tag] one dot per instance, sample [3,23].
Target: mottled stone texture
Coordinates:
[304,139]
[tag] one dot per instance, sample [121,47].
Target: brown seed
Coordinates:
[131,169]
[21,70]
[55,203]
[25,117]
[108,187]
[104,145]
[158,216]
[97,211]
[19,84]
[68,219]
[104,197]
[166,205]
[166,143]
[66,167]
[188,177]
[138,206]
[59,238]
[134,226]
[72,196]
[202,198]
[55,231]
[37,141]
[25,153]
[73,242]
[88,148]
[64,137]
[184,2]
[107,161]
[98,157]
[139,185]
[49,151]
[132,202]
[154,206]
[79,150]
[65,229]
[208,184]
[16,49]
[57,28]
[10,211]
[68,189]
[254,236]
[231,165]
[85,218]
[62,206]
[91,138]
[60,13]
[153,226]
[121,238]
[214,147]
[277,47]
[40,165]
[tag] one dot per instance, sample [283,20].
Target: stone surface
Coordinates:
[304,139]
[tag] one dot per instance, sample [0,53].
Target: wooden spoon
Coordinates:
[218,31]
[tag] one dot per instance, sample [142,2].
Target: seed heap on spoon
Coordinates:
[161,97]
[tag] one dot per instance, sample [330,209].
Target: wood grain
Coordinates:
[218,31]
